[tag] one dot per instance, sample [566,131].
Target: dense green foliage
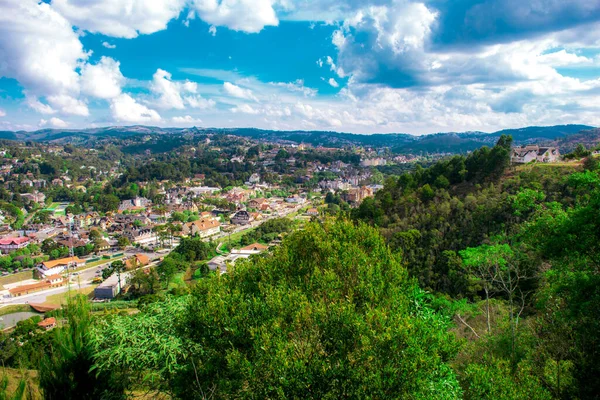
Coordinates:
[67,372]
[331,314]
[508,257]
[523,240]
[267,231]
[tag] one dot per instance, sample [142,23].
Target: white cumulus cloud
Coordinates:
[2,113]
[245,109]
[108,45]
[392,35]
[168,92]
[296,86]
[120,18]
[68,104]
[39,48]
[239,92]
[249,16]
[173,94]
[186,120]
[125,109]
[103,80]
[53,122]
[333,82]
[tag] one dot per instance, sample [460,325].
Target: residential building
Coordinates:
[254,247]
[357,195]
[373,162]
[13,243]
[47,323]
[112,286]
[55,267]
[39,183]
[138,202]
[254,178]
[295,199]
[36,197]
[203,227]
[48,282]
[142,236]
[257,203]
[241,217]
[202,190]
[138,260]
[220,263]
[313,212]
[525,154]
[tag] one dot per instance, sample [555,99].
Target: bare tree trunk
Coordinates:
[487,304]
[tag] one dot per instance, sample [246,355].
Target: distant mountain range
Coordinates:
[450,142]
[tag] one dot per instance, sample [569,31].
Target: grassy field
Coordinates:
[13,308]
[234,237]
[99,262]
[563,164]
[19,276]
[51,207]
[12,378]
[178,280]
[61,298]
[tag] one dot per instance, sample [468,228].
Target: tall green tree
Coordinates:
[68,372]
[331,314]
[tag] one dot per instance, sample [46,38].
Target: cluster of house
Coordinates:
[52,274]
[32,187]
[47,282]
[525,154]
[220,263]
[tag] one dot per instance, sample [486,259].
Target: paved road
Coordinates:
[255,224]
[81,280]
[84,277]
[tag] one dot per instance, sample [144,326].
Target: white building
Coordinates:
[202,227]
[55,267]
[373,162]
[525,154]
[111,287]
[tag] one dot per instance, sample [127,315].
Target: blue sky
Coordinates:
[346,65]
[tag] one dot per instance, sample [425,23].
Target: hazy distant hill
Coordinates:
[399,142]
[590,138]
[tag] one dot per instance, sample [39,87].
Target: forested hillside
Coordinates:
[471,279]
[519,245]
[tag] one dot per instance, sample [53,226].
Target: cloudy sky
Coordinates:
[346,65]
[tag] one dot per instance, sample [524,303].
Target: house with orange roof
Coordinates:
[13,243]
[139,260]
[313,212]
[255,247]
[55,267]
[48,323]
[47,283]
[202,227]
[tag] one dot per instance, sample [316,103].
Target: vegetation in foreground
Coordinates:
[508,258]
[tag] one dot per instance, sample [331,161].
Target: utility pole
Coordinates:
[71,252]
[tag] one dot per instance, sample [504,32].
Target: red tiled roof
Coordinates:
[255,246]
[204,224]
[47,322]
[14,240]
[26,288]
[62,261]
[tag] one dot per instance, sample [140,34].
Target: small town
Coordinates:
[294,199]
[66,236]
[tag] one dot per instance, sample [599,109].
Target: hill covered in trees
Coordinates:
[446,142]
[470,279]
